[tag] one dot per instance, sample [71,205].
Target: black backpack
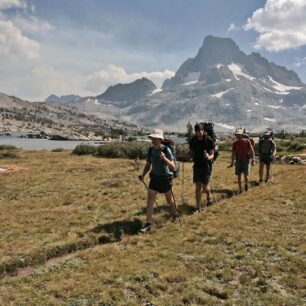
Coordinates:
[169,143]
[209,128]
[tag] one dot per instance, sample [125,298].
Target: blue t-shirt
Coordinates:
[159,167]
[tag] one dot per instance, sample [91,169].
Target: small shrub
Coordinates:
[58,150]
[8,147]
[84,149]
[8,154]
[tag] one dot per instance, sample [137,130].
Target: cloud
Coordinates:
[232,28]
[8,4]
[32,25]
[14,44]
[299,62]
[100,80]
[281,25]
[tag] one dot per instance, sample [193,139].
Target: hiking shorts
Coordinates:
[161,184]
[266,159]
[201,176]
[242,167]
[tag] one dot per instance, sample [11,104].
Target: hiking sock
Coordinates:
[209,202]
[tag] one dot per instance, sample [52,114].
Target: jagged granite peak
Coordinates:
[130,92]
[214,58]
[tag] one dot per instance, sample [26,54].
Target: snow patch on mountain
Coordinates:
[190,83]
[156,91]
[226,126]
[237,71]
[221,93]
[269,119]
[283,88]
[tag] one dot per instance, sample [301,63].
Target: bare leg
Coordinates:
[206,189]
[239,183]
[170,201]
[150,204]
[246,182]
[261,170]
[198,195]
[268,173]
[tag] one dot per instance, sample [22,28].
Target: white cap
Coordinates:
[157,134]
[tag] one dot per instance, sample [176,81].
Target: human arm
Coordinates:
[169,160]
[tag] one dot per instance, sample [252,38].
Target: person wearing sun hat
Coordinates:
[242,152]
[267,151]
[161,161]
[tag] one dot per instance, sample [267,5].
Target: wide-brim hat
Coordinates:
[238,132]
[159,134]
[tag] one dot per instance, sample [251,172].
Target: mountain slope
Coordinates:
[128,93]
[23,116]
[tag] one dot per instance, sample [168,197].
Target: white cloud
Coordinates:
[299,62]
[100,80]
[281,25]
[232,28]
[13,43]
[8,4]
[31,24]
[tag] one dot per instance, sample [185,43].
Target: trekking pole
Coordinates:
[177,211]
[183,183]
[139,177]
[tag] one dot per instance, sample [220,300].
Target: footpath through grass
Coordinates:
[246,250]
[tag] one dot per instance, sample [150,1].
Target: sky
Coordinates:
[81,47]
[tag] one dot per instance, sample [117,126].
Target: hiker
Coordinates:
[242,151]
[202,150]
[161,159]
[267,151]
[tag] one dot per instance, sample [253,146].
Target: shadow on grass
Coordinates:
[116,229]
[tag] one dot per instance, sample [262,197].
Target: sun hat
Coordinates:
[159,134]
[239,131]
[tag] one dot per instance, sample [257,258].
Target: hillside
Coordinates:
[28,117]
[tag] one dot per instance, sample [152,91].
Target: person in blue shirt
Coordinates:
[161,161]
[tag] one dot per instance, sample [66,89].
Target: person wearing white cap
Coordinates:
[242,151]
[161,160]
[267,151]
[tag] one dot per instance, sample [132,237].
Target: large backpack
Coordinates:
[209,128]
[169,143]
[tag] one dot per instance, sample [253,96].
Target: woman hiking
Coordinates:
[161,161]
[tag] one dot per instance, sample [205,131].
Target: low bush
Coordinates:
[8,154]
[58,150]
[84,149]
[7,147]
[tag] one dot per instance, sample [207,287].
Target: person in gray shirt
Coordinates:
[161,161]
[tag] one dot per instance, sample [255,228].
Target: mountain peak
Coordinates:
[130,92]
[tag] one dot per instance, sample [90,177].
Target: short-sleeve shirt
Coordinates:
[197,147]
[242,148]
[159,167]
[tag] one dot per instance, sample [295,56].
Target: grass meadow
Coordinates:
[68,236]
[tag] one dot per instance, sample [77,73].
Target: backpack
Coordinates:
[245,136]
[169,143]
[209,128]
[261,139]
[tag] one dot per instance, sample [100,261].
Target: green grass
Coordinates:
[245,250]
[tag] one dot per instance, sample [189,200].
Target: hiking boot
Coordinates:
[175,217]
[246,187]
[146,229]
[209,202]
[197,210]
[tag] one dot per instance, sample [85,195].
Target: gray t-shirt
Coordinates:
[159,167]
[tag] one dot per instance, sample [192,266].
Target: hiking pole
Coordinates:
[178,214]
[183,183]
[139,177]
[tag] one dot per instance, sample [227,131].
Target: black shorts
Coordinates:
[266,159]
[161,184]
[201,175]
